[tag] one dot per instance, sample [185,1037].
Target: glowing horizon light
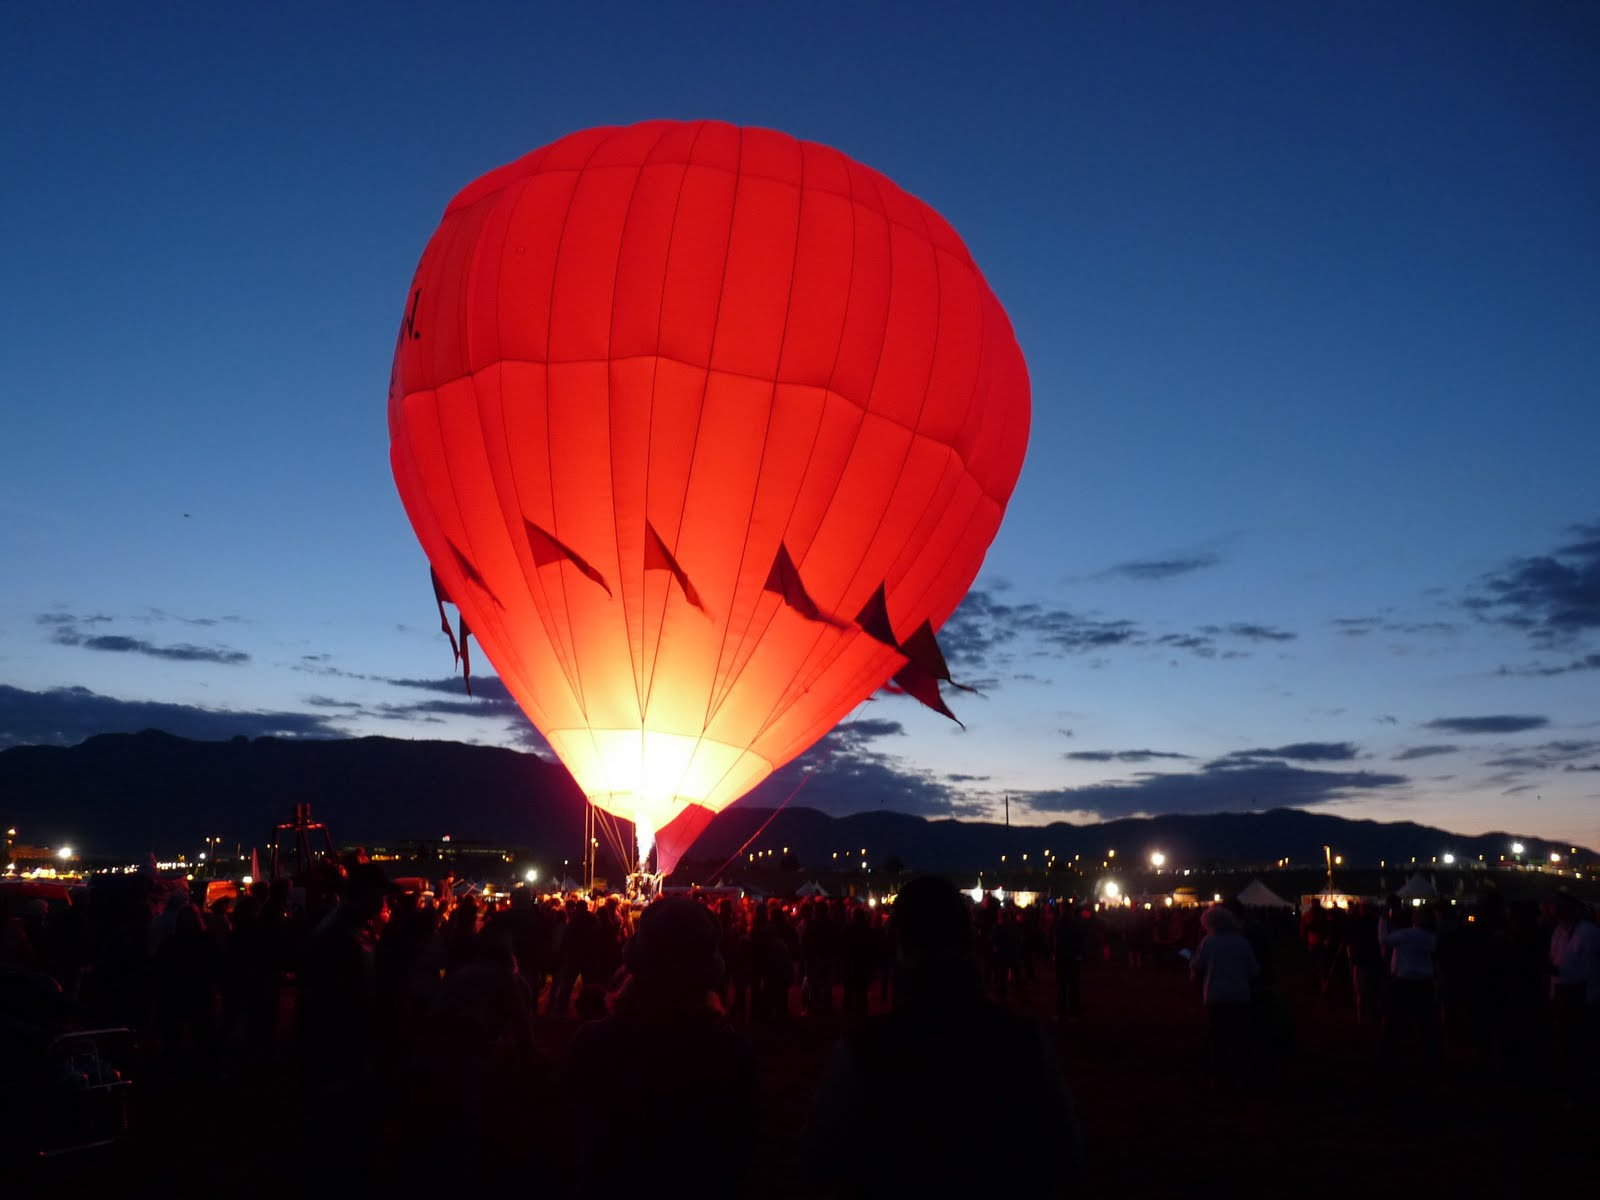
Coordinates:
[64,853]
[1449,859]
[531,875]
[1158,860]
[1517,847]
[248,880]
[1111,891]
[1554,857]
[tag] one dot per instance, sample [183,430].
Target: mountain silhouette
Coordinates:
[126,795]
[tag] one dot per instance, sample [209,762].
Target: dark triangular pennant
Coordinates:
[784,579]
[874,619]
[547,549]
[658,558]
[923,687]
[922,648]
[440,598]
[466,659]
[471,573]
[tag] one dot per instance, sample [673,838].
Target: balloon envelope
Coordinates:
[671,403]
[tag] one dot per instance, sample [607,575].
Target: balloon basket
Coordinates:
[643,886]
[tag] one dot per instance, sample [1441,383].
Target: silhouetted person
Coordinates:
[339,1024]
[893,1114]
[667,1031]
[1574,987]
[1411,1010]
[1227,969]
[188,966]
[1067,937]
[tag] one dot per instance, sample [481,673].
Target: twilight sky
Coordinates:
[1310,297]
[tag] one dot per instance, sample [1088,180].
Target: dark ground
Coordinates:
[1332,1124]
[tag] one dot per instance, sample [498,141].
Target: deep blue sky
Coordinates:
[1310,296]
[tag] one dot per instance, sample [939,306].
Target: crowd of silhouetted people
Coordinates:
[450,1039]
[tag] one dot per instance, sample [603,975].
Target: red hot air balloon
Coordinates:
[699,426]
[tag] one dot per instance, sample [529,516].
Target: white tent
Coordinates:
[1259,895]
[810,888]
[1417,888]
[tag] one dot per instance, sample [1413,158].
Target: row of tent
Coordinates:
[1259,895]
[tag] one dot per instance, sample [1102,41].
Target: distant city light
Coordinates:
[1111,891]
[248,880]
[1554,857]
[1449,859]
[1158,860]
[1517,847]
[66,852]
[531,875]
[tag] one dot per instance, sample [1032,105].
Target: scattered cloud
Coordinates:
[66,716]
[1589,662]
[1482,725]
[1233,784]
[1150,570]
[1128,756]
[1362,626]
[1554,598]
[1412,753]
[1250,632]
[1546,757]
[489,698]
[989,632]
[66,630]
[1301,752]
[484,687]
[843,774]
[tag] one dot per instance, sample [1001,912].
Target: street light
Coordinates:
[1158,860]
[64,853]
[1517,847]
[1449,860]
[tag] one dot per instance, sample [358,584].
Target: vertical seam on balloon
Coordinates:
[549,445]
[983,351]
[649,455]
[828,392]
[694,452]
[514,536]
[719,694]
[616,530]
[812,672]
[489,621]
[565,652]
[711,355]
[933,354]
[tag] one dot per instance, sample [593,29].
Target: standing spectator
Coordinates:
[1226,967]
[666,1024]
[1067,937]
[892,1114]
[1411,1008]
[1574,986]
